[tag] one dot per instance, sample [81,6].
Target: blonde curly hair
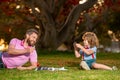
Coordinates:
[91,38]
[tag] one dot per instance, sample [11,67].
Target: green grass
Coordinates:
[68,60]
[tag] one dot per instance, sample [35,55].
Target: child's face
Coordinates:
[86,44]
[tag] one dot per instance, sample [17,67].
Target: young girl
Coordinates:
[88,52]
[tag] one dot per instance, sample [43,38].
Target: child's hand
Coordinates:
[78,45]
[74,43]
[75,46]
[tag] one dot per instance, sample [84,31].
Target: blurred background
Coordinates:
[61,22]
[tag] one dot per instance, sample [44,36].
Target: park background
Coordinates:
[60,23]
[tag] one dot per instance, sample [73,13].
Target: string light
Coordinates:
[82,1]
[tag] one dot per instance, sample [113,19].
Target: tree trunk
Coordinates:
[51,36]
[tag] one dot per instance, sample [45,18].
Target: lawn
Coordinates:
[68,60]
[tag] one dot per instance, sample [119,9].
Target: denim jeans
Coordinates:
[90,62]
[1,63]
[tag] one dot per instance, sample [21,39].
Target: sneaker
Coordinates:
[41,68]
[62,68]
[114,68]
[58,69]
[84,65]
[51,69]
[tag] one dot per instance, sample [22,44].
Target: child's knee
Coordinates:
[94,65]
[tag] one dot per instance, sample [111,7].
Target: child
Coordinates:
[88,52]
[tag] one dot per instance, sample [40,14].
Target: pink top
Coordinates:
[13,61]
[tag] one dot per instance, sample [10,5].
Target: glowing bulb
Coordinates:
[30,10]
[18,6]
[82,1]
[37,9]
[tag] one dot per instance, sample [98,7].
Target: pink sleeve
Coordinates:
[13,41]
[33,56]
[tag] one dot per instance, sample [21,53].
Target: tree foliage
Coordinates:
[57,20]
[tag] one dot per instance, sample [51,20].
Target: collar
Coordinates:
[86,47]
[22,43]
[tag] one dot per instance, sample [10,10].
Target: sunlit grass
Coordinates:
[68,60]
